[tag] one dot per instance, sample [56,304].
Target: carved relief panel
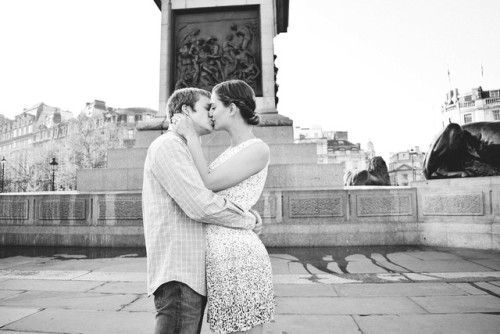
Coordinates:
[214,45]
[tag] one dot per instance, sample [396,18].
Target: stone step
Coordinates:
[289,176]
[269,134]
[280,154]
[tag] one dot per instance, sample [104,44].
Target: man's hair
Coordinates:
[184,96]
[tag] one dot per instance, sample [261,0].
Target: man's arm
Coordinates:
[174,168]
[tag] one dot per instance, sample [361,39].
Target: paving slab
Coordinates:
[392,267]
[397,289]
[497,283]
[288,267]
[284,257]
[429,323]
[10,314]
[23,332]
[85,322]
[302,290]
[314,295]
[362,267]
[310,279]
[391,277]
[9,293]
[438,266]
[45,274]
[468,253]
[475,274]
[121,287]
[113,276]
[70,300]
[433,255]
[346,305]
[315,324]
[463,276]
[490,288]
[143,304]
[57,264]
[12,262]
[458,304]
[493,264]
[138,265]
[470,289]
[48,285]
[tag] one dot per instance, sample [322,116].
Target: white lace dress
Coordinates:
[239,276]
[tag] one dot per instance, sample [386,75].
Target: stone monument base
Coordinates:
[444,213]
[292,165]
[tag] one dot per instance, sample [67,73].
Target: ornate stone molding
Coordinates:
[379,205]
[128,208]
[466,204]
[57,209]
[315,207]
[14,209]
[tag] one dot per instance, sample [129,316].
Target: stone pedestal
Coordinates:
[292,166]
[238,28]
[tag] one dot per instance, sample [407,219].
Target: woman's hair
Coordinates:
[242,95]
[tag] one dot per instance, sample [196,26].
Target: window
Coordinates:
[496,115]
[130,134]
[130,119]
[467,118]
[495,93]
[138,118]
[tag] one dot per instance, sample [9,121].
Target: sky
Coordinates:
[375,68]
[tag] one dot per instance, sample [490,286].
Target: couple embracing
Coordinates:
[201,234]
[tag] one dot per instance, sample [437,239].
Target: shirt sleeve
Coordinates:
[171,163]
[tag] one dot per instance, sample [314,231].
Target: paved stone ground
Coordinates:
[366,290]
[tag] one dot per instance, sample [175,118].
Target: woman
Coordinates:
[239,275]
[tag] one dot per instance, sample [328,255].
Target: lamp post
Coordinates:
[2,162]
[53,166]
[412,153]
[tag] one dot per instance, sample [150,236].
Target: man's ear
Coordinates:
[185,109]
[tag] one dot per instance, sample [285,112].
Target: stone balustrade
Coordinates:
[450,213]
[493,100]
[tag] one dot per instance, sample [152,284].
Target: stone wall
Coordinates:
[450,213]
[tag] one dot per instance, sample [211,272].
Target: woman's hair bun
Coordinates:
[254,120]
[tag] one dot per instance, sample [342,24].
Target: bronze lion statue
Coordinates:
[376,175]
[462,151]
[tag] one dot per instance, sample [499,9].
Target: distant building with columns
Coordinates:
[476,105]
[406,166]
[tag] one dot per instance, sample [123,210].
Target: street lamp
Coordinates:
[53,166]
[412,153]
[2,162]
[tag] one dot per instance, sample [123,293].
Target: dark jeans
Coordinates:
[179,309]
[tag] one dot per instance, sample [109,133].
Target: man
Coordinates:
[175,205]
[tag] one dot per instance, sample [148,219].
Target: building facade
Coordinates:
[476,105]
[334,147]
[406,166]
[41,129]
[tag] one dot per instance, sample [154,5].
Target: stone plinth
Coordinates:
[332,216]
[292,165]
[288,176]
[460,212]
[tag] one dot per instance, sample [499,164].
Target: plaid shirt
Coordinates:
[174,202]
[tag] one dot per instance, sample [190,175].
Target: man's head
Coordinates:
[195,103]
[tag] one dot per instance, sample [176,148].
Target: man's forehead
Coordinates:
[204,99]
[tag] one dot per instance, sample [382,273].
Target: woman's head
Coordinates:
[239,95]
